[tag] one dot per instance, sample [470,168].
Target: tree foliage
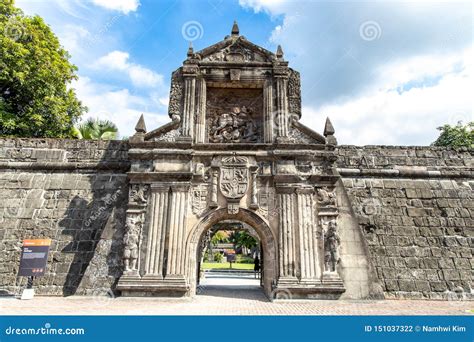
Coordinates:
[219,237]
[96,129]
[242,238]
[456,136]
[34,76]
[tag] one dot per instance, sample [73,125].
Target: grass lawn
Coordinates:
[226,266]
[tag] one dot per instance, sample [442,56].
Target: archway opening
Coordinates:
[259,283]
[229,259]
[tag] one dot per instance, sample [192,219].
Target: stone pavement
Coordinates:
[226,300]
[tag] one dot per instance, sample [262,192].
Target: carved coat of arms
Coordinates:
[234,181]
[199,199]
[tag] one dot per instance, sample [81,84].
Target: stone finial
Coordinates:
[329,132]
[190,50]
[140,127]
[328,128]
[235,29]
[279,53]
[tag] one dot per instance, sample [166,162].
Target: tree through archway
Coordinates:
[244,220]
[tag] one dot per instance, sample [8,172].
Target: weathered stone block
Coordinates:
[406,285]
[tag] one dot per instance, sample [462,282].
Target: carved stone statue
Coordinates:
[236,126]
[326,197]
[138,194]
[130,240]
[331,247]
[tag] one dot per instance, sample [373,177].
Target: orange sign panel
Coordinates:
[37,242]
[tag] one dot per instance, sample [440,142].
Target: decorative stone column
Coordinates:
[190,71]
[200,136]
[254,189]
[158,223]
[307,236]
[281,107]
[189,105]
[214,187]
[268,111]
[132,240]
[175,268]
[280,73]
[287,237]
[327,214]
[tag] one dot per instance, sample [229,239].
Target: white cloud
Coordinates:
[395,89]
[388,114]
[124,6]
[139,75]
[119,106]
[115,60]
[73,37]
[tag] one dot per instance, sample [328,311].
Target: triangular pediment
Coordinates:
[235,49]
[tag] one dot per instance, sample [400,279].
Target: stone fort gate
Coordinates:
[234,150]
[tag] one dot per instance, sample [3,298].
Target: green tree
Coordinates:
[35,73]
[242,238]
[96,129]
[218,237]
[456,136]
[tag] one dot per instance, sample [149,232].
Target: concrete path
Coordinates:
[224,294]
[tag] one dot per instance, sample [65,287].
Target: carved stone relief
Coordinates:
[236,53]
[138,194]
[326,197]
[331,246]
[234,115]
[294,91]
[234,180]
[200,194]
[176,95]
[295,136]
[131,240]
[267,203]
[169,136]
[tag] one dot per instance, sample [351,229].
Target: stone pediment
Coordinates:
[166,133]
[237,50]
[301,134]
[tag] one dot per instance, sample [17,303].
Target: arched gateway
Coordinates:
[234,150]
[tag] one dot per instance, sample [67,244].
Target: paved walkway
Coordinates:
[215,300]
[226,294]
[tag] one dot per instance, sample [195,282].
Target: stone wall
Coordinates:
[415,207]
[73,192]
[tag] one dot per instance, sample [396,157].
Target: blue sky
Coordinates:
[384,72]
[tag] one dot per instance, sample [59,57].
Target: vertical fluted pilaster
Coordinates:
[157,231]
[178,206]
[268,111]
[214,183]
[189,105]
[306,233]
[254,190]
[201,111]
[282,106]
[287,236]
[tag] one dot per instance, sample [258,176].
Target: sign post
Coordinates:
[34,257]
